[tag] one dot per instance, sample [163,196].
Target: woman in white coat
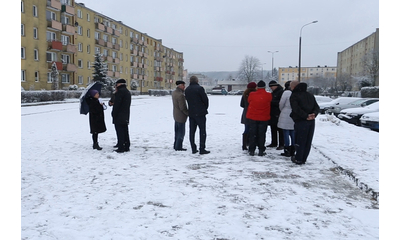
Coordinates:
[285,122]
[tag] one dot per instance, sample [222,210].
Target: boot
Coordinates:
[286,151]
[245,138]
[292,150]
[96,146]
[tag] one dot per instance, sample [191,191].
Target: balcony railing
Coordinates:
[68,29]
[55,45]
[69,67]
[100,26]
[69,48]
[58,64]
[68,9]
[54,24]
[55,4]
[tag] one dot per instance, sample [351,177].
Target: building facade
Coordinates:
[351,61]
[68,35]
[291,73]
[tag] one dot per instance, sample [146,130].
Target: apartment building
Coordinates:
[350,61]
[291,73]
[67,34]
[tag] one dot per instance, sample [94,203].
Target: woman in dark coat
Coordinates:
[251,87]
[96,117]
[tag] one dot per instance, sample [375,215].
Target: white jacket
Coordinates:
[285,121]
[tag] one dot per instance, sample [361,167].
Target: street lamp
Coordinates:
[272,72]
[300,47]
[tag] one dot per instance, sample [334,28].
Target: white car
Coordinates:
[362,102]
[353,115]
[370,120]
[335,103]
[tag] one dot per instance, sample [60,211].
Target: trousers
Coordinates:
[257,131]
[304,133]
[199,122]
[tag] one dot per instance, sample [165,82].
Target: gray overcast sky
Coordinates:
[216,35]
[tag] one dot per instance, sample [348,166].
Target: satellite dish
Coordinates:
[76,24]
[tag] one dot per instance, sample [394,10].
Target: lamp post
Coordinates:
[272,72]
[300,47]
[262,71]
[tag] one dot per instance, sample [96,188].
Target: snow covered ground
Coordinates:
[70,191]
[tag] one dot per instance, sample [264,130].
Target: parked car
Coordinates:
[218,91]
[370,120]
[336,102]
[353,115]
[236,92]
[322,99]
[355,104]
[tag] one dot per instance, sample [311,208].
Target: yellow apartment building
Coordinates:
[292,73]
[68,34]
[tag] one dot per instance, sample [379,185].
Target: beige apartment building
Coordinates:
[67,34]
[291,73]
[350,61]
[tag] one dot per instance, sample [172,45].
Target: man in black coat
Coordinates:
[304,111]
[120,114]
[276,133]
[197,100]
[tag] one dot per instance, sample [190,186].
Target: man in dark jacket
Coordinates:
[180,113]
[276,133]
[304,111]
[197,100]
[120,114]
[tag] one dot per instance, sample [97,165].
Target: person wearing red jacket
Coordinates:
[258,114]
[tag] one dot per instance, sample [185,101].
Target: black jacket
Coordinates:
[122,105]
[197,100]
[302,103]
[96,116]
[275,111]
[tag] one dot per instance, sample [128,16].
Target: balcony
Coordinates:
[55,45]
[116,60]
[54,4]
[116,32]
[54,24]
[110,73]
[68,29]
[100,26]
[109,45]
[69,67]
[100,42]
[109,59]
[69,48]
[134,64]
[109,30]
[116,74]
[58,64]
[116,46]
[68,9]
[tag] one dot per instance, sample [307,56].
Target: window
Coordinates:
[65,59]
[80,65]
[22,30]
[105,52]
[88,48]
[105,38]
[88,79]
[96,19]
[79,13]
[36,76]
[113,40]
[68,2]
[97,35]
[22,7]
[23,75]
[64,20]
[35,33]
[88,33]
[65,78]
[50,15]
[34,11]
[114,54]
[36,54]
[23,53]
[64,40]
[51,56]
[79,30]
[88,64]
[80,79]
[88,17]
[97,50]
[50,36]
[80,47]
[114,68]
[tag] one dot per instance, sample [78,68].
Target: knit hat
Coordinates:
[93,92]
[120,81]
[252,85]
[273,83]
[179,82]
[261,84]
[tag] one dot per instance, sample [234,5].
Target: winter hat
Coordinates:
[273,83]
[261,84]
[179,82]
[120,81]
[252,85]
[93,92]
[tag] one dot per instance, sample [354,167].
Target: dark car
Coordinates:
[370,120]
[353,115]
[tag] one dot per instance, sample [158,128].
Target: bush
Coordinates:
[42,96]
[159,92]
[370,92]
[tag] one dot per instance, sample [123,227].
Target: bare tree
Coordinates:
[249,69]
[371,66]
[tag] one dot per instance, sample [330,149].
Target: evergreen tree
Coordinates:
[54,76]
[100,74]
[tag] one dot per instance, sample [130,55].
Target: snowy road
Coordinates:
[70,191]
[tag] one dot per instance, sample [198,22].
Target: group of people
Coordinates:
[121,103]
[289,112]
